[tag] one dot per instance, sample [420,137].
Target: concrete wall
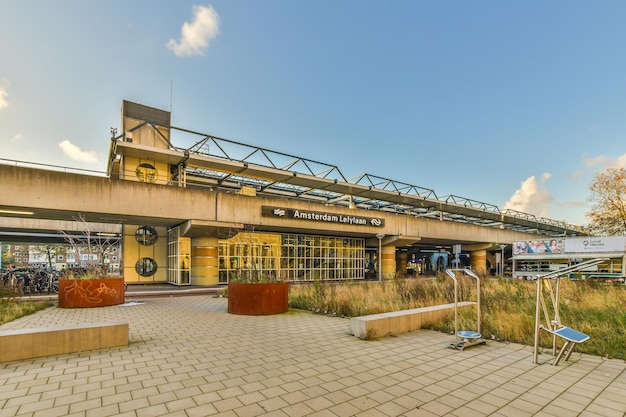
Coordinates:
[63,195]
[68,194]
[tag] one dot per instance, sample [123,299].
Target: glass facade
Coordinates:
[178,258]
[291,257]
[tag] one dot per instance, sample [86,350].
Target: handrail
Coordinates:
[572,268]
[27,164]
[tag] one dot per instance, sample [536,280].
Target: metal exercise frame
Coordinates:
[553,324]
[469,338]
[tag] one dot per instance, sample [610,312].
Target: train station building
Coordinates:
[263,213]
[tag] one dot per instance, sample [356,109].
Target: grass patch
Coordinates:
[13,308]
[507,307]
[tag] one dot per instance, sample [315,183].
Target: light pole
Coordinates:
[380,237]
[502,247]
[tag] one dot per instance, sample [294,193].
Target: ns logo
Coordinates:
[376,222]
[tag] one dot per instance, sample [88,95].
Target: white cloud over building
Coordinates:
[76,154]
[196,35]
[532,197]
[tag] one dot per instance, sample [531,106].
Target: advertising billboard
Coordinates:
[596,244]
[538,246]
[607,244]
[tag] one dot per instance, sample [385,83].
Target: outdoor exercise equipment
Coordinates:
[553,324]
[465,338]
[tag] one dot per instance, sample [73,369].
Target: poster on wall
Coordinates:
[596,244]
[538,246]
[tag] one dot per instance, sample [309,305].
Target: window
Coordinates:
[291,257]
[146,173]
[146,235]
[146,267]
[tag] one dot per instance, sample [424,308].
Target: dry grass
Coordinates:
[507,307]
[13,308]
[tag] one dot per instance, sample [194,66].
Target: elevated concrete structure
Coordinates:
[202,213]
[191,199]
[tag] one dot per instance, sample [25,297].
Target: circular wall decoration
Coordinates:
[146,267]
[146,173]
[146,235]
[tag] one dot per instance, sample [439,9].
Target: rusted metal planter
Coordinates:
[99,292]
[257,299]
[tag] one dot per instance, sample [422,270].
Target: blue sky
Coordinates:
[515,104]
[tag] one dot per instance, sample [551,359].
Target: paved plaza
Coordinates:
[189,357]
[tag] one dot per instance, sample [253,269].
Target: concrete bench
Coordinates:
[22,344]
[374,326]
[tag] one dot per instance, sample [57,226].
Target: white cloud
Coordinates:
[16,138]
[621,161]
[532,197]
[195,36]
[576,175]
[604,161]
[597,161]
[3,98]
[75,153]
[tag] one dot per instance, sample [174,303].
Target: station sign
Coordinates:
[321,216]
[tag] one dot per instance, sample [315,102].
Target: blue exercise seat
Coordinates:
[572,338]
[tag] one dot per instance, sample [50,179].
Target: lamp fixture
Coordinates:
[21,212]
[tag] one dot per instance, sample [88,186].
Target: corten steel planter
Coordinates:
[97,292]
[257,299]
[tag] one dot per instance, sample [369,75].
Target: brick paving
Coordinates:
[189,357]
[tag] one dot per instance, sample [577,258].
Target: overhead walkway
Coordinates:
[216,162]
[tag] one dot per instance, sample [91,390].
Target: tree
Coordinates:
[608,196]
[91,248]
[50,252]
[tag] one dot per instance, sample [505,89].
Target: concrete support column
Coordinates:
[478,260]
[204,261]
[491,260]
[388,259]
[402,259]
